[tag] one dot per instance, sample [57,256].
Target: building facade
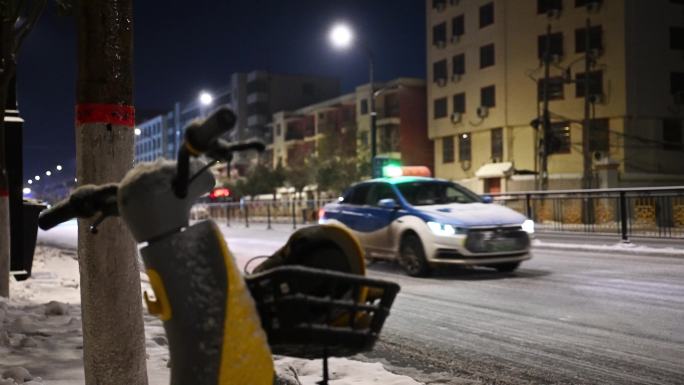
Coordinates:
[401,130]
[486,81]
[253,96]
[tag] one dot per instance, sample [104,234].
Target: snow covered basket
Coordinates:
[313,313]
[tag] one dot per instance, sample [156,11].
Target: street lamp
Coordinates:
[48,172]
[341,36]
[37,177]
[59,167]
[205,100]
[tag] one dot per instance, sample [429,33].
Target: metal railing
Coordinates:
[294,212]
[632,212]
[646,212]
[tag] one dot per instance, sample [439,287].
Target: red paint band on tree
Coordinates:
[4,193]
[105,113]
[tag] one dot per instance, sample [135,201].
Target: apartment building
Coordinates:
[401,131]
[486,76]
[253,96]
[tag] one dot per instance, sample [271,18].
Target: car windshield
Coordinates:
[422,193]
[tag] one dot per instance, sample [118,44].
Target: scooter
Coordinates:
[310,299]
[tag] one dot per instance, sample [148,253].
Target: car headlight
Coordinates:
[441,228]
[528,226]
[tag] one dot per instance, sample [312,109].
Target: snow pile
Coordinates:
[41,337]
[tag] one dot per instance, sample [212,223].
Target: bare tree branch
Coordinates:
[26,26]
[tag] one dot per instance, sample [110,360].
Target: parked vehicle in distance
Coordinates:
[427,222]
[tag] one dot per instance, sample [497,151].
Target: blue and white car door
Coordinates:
[352,214]
[380,219]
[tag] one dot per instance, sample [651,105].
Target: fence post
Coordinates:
[528,206]
[227,215]
[623,216]
[268,216]
[294,216]
[246,215]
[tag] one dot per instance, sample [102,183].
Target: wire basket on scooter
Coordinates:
[313,313]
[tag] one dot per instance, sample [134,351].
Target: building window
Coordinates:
[677,83]
[487,56]
[459,64]
[595,84]
[464,147]
[439,35]
[599,135]
[672,134]
[549,6]
[459,103]
[278,130]
[438,4]
[497,143]
[560,131]
[677,38]
[595,39]
[440,107]
[448,149]
[364,106]
[555,89]
[439,72]
[555,45]
[389,138]
[486,15]
[584,3]
[488,96]
[458,26]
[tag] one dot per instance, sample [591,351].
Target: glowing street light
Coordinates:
[137,132]
[37,177]
[59,167]
[30,181]
[205,98]
[48,172]
[341,35]
[26,190]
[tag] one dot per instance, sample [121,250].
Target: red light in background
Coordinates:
[220,192]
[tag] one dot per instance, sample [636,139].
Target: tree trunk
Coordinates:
[113,333]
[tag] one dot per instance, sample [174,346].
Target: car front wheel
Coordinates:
[412,256]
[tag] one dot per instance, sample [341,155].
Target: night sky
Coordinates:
[180,49]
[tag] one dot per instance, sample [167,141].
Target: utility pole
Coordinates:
[546,118]
[111,306]
[586,123]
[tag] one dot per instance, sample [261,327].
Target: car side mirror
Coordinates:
[388,203]
[487,199]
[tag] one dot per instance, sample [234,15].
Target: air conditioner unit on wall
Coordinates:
[454,2]
[597,98]
[556,58]
[440,44]
[440,7]
[595,52]
[482,111]
[455,38]
[456,117]
[593,6]
[456,78]
[441,82]
[465,165]
[553,13]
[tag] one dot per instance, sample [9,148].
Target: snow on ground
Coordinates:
[41,337]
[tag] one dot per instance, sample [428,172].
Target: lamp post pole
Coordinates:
[371,105]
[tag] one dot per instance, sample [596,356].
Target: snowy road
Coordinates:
[564,317]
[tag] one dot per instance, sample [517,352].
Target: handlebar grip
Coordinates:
[201,135]
[60,212]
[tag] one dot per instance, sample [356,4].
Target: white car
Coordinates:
[425,222]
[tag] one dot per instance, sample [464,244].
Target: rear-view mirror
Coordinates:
[487,199]
[388,203]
